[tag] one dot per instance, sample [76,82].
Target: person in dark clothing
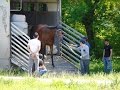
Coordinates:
[107,57]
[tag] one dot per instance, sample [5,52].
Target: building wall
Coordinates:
[51,4]
[4,33]
[35,15]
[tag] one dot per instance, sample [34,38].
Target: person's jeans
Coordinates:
[84,64]
[41,72]
[31,62]
[107,64]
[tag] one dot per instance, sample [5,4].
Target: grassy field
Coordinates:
[97,80]
[62,82]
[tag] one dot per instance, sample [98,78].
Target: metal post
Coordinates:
[58,22]
[58,11]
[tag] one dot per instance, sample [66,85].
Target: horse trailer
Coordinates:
[16,20]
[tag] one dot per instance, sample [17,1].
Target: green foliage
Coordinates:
[70,9]
[106,25]
[106,21]
[13,72]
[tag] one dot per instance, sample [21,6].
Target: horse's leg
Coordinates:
[51,51]
[43,52]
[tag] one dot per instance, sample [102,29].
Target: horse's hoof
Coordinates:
[53,66]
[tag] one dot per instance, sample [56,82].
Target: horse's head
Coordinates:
[59,34]
[58,29]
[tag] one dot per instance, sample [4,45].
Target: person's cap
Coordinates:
[85,38]
[82,41]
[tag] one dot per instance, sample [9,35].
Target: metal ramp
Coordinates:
[61,65]
[20,55]
[71,36]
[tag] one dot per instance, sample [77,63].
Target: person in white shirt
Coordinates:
[84,57]
[34,46]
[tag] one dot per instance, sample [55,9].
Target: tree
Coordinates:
[83,11]
[98,18]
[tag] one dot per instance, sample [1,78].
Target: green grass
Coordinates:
[97,80]
[96,65]
[63,82]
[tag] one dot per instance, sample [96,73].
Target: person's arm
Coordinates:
[103,53]
[43,67]
[28,48]
[73,47]
[111,51]
[38,49]
[78,48]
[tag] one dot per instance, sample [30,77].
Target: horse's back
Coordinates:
[46,34]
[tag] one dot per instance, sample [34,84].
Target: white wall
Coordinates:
[4,33]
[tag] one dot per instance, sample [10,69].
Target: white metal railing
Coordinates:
[71,29]
[71,36]
[19,52]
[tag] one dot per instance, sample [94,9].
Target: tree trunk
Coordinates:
[88,22]
[90,35]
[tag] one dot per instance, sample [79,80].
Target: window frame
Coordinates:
[20,8]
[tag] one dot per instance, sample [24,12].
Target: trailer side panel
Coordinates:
[4,34]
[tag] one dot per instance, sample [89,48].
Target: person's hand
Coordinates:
[33,55]
[110,58]
[80,56]
[70,45]
[102,58]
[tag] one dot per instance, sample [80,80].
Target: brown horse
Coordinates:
[46,36]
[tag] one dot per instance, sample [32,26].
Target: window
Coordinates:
[40,7]
[15,5]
